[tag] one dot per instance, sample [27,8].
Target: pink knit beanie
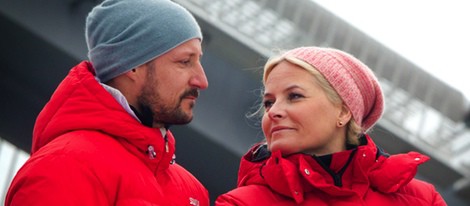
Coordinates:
[355,83]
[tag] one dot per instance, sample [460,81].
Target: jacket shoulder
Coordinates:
[78,167]
[182,180]
[424,191]
[252,195]
[55,177]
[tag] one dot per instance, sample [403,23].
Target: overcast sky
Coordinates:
[435,35]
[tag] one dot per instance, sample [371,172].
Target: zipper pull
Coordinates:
[151,152]
[173,159]
[167,148]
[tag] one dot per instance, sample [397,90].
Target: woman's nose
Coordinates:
[276,111]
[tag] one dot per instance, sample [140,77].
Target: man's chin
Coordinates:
[188,120]
[182,121]
[179,123]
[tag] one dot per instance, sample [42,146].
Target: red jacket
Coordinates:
[360,176]
[87,150]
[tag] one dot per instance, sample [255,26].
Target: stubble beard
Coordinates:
[162,112]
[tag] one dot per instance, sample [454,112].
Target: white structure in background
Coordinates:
[11,159]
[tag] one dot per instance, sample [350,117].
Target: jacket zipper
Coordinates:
[167,148]
[337,177]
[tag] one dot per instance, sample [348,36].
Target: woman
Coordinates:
[318,105]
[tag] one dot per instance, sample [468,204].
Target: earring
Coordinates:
[340,124]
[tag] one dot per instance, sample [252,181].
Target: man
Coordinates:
[103,138]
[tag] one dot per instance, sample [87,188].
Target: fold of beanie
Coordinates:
[124,34]
[355,83]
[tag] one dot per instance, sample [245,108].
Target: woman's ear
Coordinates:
[344,115]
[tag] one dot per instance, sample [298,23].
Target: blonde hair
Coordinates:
[353,129]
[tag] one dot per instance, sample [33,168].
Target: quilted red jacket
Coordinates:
[360,176]
[87,150]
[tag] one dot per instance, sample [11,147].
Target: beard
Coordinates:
[164,112]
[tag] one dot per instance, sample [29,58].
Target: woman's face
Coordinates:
[298,116]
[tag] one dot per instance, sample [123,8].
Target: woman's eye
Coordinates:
[267,103]
[293,96]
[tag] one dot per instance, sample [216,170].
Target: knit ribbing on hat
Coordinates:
[124,34]
[355,83]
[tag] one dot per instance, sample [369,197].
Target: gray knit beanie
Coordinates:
[124,34]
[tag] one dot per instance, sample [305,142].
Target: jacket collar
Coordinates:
[297,174]
[81,103]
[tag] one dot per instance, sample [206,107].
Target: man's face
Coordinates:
[172,84]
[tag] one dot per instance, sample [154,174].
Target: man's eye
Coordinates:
[185,62]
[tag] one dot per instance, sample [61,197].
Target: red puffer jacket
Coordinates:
[360,176]
[87,150]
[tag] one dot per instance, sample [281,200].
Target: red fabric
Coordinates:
[299,179]
[87,150]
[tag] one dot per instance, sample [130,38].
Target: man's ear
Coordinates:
[135,73]
[131,74]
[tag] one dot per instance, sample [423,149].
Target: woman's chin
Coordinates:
[282,148]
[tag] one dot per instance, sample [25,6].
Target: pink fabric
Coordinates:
[355,83]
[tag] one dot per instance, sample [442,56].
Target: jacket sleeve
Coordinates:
[227,200]
[55,180]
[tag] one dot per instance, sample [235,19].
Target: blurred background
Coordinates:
[427,110]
